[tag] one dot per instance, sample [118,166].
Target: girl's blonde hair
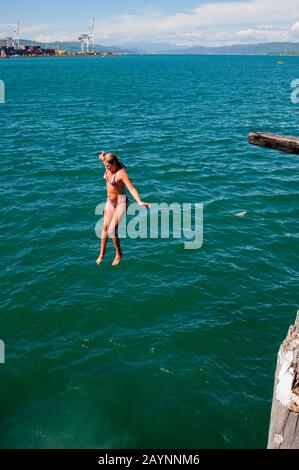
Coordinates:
[110,157]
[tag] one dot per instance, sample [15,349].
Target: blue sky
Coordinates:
[187,23]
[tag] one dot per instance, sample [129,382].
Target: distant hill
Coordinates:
[271,48]
[74,46]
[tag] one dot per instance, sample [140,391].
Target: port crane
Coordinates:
[88,39]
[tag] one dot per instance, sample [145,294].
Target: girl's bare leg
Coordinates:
[104,240]
[108,214]
[118,252]
[118,214]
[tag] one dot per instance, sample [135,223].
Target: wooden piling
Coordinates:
[284,423]
[276,142]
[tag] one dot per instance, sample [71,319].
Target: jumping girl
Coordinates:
[117,202]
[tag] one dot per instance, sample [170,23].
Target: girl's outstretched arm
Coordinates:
[133,190]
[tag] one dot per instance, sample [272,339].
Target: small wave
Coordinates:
[240,214]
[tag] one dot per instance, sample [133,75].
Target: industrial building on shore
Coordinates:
[11,46]
[7,49]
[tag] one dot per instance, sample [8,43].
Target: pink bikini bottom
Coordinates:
[121,200]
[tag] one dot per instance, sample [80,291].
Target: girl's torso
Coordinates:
[115,186]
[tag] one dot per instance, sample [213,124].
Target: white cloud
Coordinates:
[229,22]
[295,26]
[254,11]
[263,35]
[217,23]
[33,28]
[7,25]
[294,31]
[9,29]
[59,36]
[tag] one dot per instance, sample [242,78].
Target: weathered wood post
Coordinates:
[276,142]
[284,423]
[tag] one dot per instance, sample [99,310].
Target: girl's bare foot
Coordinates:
[100,259]
[116,260]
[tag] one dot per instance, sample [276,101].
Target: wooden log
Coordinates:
[275,142]
[284,424]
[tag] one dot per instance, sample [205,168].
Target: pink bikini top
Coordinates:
[113,180]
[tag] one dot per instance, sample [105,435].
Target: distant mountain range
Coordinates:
[271,48]
[74,46]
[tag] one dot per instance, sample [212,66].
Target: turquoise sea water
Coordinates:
[174,348]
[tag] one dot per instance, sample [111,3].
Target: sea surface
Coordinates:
[175,347]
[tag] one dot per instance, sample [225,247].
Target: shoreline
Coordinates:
[143,54]
[57,56]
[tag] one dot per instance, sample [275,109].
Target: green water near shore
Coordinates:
[175,347]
